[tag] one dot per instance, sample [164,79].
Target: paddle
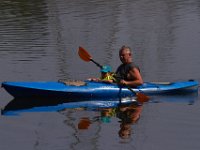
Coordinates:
[84,55]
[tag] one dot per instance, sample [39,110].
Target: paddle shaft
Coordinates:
[100,66]
[84,55]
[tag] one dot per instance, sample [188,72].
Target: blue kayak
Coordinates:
[94,90]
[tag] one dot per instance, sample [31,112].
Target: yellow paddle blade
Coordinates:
[142,97]
[84,55]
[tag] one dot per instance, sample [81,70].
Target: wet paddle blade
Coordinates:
[84,55]
[142,97]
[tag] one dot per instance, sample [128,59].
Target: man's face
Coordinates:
[125,56]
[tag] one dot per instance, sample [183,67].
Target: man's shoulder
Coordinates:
[133,66]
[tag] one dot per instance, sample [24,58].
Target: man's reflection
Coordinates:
[128,114]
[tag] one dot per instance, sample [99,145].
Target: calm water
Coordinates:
[39,41]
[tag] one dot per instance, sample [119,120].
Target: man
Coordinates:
[127,72]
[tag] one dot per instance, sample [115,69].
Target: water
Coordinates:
[39,41]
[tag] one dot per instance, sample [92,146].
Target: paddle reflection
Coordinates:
[84,123]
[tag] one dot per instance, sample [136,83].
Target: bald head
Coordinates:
[125,54]
[125,49]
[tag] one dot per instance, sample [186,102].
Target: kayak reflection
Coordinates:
[17,106]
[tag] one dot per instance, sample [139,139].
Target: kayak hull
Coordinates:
[93,90]
[60,90]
